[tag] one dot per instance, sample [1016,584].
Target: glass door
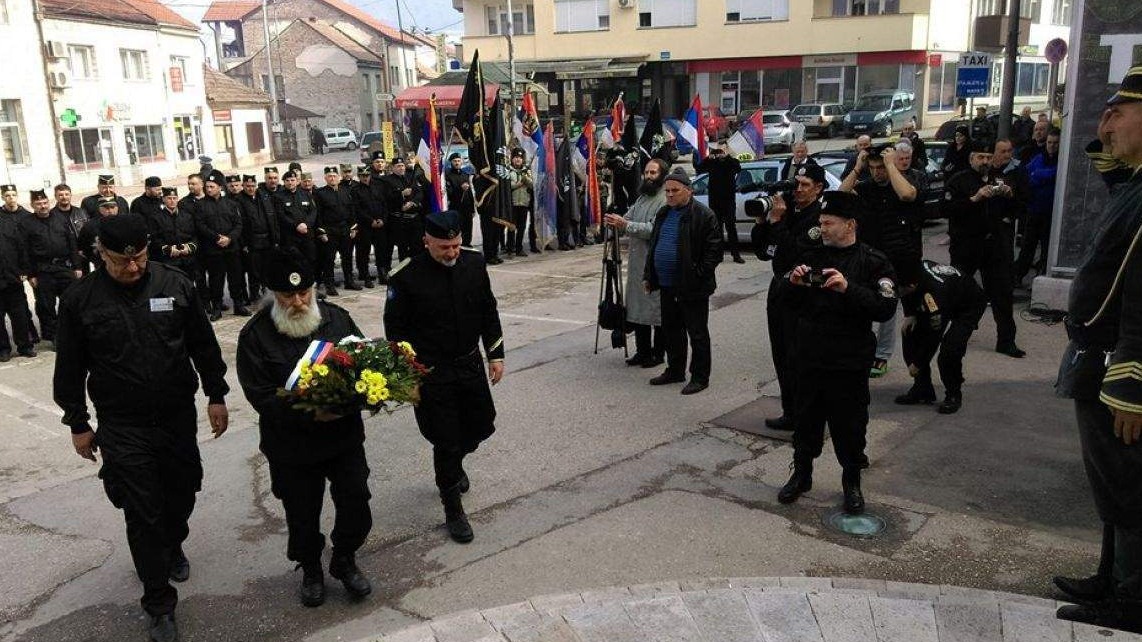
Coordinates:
[731,82]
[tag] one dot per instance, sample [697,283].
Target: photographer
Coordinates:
[782,234]
[981,238]
[888,195]
[723,170]
[836,292]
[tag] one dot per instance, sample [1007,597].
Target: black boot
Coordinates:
[240,309]
[180,566]
[163,628]
[1112,612]
[330,289]
[800,482]
[344,568]
[454,517]
[854,499]
[779,423]
[312,591]
[1096,587]
[215,311]
[917,394]
[352,285]
[951,404]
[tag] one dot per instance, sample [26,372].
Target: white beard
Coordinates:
[296,327]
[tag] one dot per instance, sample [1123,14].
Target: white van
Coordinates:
[339,138]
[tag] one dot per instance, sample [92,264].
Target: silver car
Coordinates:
[780,130]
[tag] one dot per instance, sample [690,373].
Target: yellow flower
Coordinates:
[305,368]
[373,400]
[407,348]
[321,369]
[361,387]
[383,394]
[303,384]
[380,380]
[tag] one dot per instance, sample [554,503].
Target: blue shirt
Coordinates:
[666,251]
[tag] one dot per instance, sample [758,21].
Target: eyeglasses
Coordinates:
[123,261]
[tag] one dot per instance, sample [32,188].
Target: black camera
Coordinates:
[760,206]
[815,278]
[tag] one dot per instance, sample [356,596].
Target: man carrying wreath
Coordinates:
[306,448]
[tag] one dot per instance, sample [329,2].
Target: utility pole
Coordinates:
[57,131]
[511,57]
[1010,70]
[403,58]
[275,117]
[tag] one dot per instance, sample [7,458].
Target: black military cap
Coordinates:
[249,177]
[378,155]
[346,167]
[153,181]
[1131,88]
[7,188]
[217,178]
[305,176]
[107,201]
[812,171]
[287,270]
[37,194]
[518,153]
[106,179]
[453,156]
[204,159]
[234,178]
[362,170]
[983,146]
[270,170]
[443,225]
[170,191]
[125,234]
[841,204]
[289,174]
[963,129]
[398,160]
[330,169]
[295,166]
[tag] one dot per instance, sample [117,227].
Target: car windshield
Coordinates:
[772,119]
[369,138]
[806,110]
[873,103]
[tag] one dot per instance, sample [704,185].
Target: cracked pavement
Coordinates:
[593,479]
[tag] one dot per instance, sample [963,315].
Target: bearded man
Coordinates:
[303,448]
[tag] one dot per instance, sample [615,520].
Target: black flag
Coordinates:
[498,204]
[471,124]
[653,139]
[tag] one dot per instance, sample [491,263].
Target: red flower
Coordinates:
[340,358]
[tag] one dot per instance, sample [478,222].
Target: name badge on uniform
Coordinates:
[162,304]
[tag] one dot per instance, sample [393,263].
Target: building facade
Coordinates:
[741,54]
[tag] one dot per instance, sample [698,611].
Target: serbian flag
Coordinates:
[432,135]
[618,117]
[314,354]
[693,130]
[594,199]
[749,140]
[549,193]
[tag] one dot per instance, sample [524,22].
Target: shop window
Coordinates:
[582,15]
[756,10]
[942,87]
[145,144]
[255,137]
[87,149]
[667,13]
[12,136]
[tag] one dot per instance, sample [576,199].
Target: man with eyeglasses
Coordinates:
[134,337]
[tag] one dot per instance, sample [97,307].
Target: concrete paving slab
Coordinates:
[969,622]
[664,619]
[783,617]
[602,622]
[903,620]
[466,626]
[1026,623]
[498,616]
[539,627]
[723,615]
[843,617]
[655,589]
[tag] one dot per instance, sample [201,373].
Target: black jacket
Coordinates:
[785,241]
[335,209]
[889,222]
[1015,176]
[369,203]
[444,312]
[968,220]
[293,209]
[215,217]
[459,198]
[834,330]
[699,251]
[85,241]
[943,295]
[146,206]
[50,243]
[394,199]
[169,229]
[74,215]
[259,223]
[13,255]
[90,204]
[135,349]
[266,358]
[956,160]
[723,182]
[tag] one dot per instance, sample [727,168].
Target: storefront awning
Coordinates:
[447,96]
[584,68]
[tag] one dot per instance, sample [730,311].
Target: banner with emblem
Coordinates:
[470,124]
[653,138]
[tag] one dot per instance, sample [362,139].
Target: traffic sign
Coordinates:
[384,98]
[1055,51]
[973,76]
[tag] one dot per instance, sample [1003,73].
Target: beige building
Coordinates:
[739,54]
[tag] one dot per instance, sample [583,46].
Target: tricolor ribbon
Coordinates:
[314,354]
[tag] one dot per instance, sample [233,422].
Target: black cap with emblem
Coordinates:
[233,178]
[107,202]
[330,169]
[125,234]
[295,166]
[287,270]
[8,187]
[443,225]
[840,204]
[37,194]
[106,179]
[249,177]
[813,172]
[170,191]
[362,170]
[270,170]
[1131,88]
[378,155]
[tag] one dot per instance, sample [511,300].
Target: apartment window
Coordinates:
[522,20]
[942,86]
[279,84]
[3,12]
[865,7]
[12,137]
[1062,15]
[134,64]
[181,62]
[756,10]
[410,77]
[81,61]
[255,137]
[87,149]
[1031,79]
[145,143]
[1031,9]
[667,13]
[394,75]
[582,15]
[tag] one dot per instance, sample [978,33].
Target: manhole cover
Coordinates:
[863,525]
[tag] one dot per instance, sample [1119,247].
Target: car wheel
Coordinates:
[351,146]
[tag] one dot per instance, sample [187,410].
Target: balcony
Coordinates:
[991,32]
[887,32]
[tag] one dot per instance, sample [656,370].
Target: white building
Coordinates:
[127,83]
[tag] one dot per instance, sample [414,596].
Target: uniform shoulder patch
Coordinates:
[400,266]
[944,270]
[469,249]
[886,288]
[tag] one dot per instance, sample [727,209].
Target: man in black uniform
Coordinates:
[133,336]
[14,268]
[404,201]
[837,292]
[106,188]
[297,217]
[1101,369]
[457,187]
[174,239]
[259,232]
[337,230]
[53,257]
[782,236]
[271,182]
[722,189]
[11,206]
[233,185]
[372,236]
[75,215]
[441,302]
[151,200]
[941,310]
[981,238]
[219,225]
[85,242]
[377,166]
[303,448]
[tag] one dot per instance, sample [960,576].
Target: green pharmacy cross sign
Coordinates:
[69,118]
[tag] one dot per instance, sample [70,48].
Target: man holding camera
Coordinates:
[836,291]
[723,171]
[888,195]
[981,237]
[782,234]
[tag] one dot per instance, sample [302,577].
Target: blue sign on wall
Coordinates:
[973,76]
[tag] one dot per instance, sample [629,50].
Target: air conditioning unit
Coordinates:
[55,49]
[626,4]
[59,79]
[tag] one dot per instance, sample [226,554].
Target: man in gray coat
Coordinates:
[644,312]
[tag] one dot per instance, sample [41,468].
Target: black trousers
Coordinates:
[375,240]
[647,339]
[682,320]
[466,228]
[301,489]
[840,399]
[727,217]
[951,340]
[455,414]
[407,234]
[14,304]
[992,258]
[338,245]
[50,285]
[782,324]
[520,217]
[492,234]
[252,262]
[1036,236]
[155,489]
[222,269]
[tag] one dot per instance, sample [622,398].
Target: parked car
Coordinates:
[370,141]
[823,119]
[878,113]
[340,138]
[753,173]
[934,195]
[947,130]
[781,131]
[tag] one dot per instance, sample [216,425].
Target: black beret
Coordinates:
[7,188]
[153,181]
[813,172]
[378,155]
[170,191]
[233,178]
[287,270]
[125,234]
[842,204]
[249,177]
[295,166]
[443,225]
[37,194]
[106,179]
[330,169]
[679,175]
